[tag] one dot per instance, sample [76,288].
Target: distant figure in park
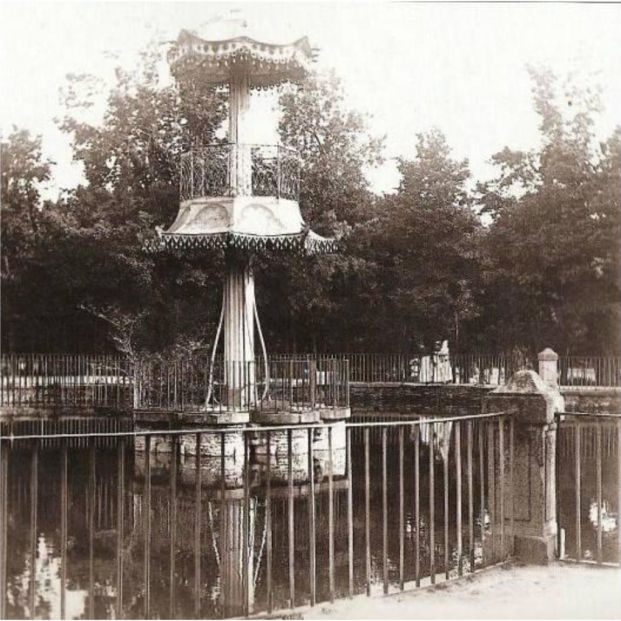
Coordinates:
[437,367]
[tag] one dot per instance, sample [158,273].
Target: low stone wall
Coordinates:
[463,399]
[592,399]
[394,397]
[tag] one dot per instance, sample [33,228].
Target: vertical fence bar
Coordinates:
[511,481]
[147,528]
[445,469]
[120,500]
[432,512]
[34,502]
[198,516]
[470,499]
[350,514]
[619,490]
[491,487]
[482,490]
[91,531]
[268,525]
[401,514]
[384,513]
[246,573]
[291,519]
[458,507]
[367,511]
[330,517]
[311,521]
[598,465]
[173,529]
[501,471]
[4,514]
[63,531]
[223,577]
[416,430]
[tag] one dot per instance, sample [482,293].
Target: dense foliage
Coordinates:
[526,260]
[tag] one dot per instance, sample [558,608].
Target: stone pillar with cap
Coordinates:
[533,404]
[548,367]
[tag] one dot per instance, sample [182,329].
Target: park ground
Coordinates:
[559,591]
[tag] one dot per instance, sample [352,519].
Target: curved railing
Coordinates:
[240,170]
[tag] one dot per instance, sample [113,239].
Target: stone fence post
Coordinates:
[548,367]
[532,403]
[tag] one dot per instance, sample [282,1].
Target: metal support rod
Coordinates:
[34,501]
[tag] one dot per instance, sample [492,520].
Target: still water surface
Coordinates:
[152,535]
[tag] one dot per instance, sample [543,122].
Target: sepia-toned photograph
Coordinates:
[310,310]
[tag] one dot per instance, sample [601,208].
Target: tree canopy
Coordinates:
[528,259]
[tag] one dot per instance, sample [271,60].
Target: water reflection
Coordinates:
[206,536]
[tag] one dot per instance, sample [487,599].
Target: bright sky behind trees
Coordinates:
[458,67]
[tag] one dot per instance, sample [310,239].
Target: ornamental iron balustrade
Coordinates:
[240,170]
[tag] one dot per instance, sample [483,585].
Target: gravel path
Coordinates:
[560,591]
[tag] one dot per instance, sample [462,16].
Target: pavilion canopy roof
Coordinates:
[215,61]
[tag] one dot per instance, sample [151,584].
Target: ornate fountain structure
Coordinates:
[242,199]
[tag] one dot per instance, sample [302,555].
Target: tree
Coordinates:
[130,162]
[425,247]
[313,302]
[553,246]
[23,171]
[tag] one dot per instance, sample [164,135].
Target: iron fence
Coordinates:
[31,380]
[240,170]
[115,381]
[280,384]
[590,371]
[248,520]
[589,487]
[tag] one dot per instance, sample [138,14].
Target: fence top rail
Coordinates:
[245,430]
[614,415]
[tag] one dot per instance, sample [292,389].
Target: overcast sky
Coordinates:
[411,66]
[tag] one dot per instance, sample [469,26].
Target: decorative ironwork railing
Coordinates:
[240,170]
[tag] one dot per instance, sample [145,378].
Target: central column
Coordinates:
[239,330]
[239,281]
